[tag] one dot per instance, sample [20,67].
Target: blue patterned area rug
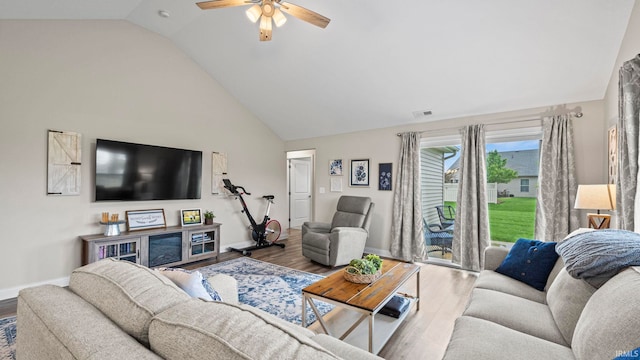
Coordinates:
[8,338]
[271,288]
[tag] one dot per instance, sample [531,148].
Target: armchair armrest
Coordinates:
[493,257]
[347,243]
[318,227]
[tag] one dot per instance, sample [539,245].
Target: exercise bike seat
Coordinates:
[269,197]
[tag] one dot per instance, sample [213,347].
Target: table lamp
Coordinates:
[599,197]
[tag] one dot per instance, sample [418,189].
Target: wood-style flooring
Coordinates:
[424,334]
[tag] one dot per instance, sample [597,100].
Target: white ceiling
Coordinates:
[379,61]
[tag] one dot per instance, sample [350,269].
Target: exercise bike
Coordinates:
[266,233]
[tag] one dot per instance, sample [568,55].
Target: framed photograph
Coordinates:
[359,172]
[384,176]
[191,217]
[335,167]
[145,219]
[612,155]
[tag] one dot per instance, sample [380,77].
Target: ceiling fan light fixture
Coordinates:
[278,18]
[254,12]
[265,28]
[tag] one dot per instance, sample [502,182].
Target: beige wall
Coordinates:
[113,80]
[383,145]
[629,49]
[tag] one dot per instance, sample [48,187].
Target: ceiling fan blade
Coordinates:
[304,14]
[217,4]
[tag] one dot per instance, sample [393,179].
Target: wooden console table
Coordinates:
[363,299]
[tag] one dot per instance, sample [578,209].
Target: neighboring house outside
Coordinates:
[525,162]
[432,179]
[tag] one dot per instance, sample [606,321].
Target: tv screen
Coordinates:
[129,172]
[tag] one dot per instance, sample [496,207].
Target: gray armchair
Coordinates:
[345,238]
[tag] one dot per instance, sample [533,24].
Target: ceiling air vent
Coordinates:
[420,115]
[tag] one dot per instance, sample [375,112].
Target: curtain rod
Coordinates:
[511,121]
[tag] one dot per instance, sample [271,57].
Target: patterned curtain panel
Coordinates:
[555,215]
[407,241]
[471,228]
[629,117]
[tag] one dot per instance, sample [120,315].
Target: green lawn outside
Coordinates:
[511,219]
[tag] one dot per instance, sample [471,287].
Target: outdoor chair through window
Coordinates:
[447,215]
[436,238]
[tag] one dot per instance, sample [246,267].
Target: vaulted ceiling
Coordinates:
[378,62]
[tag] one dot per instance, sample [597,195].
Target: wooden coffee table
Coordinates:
[364,299]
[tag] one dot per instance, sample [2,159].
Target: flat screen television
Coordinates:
[130,172]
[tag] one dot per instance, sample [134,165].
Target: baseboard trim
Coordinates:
[13,292]
[380,252]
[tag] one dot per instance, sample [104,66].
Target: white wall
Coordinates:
[113,80]
[383,145]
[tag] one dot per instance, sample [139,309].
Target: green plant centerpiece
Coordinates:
[208,217]
[365,270]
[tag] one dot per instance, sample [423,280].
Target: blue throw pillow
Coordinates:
[530,261]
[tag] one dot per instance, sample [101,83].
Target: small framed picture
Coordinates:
[335,167]
[359,172]
[384,176]
[145,219]
[191,217]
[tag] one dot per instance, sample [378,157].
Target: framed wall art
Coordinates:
[335,167]
[145,219]
[359,172]
[190,217]
[384,176]
[64,163]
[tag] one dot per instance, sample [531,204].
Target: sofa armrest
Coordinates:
[493,257]
[226,286]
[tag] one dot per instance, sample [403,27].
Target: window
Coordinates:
[513,175]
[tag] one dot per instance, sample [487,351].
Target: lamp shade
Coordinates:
[254,12]
[599,197]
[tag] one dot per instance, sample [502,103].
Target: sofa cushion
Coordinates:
[127,293]
[493,281]
[530,261]
[55,323]
[609,322]
[516,313]
[566,299]
[199,329]
[342,349]
[480,339]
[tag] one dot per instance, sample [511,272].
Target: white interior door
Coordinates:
[300,191]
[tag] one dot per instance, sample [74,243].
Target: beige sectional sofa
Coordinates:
[119,310]
[507,319]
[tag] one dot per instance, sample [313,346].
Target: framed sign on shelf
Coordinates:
[145,219]
[191,217]
[359,172]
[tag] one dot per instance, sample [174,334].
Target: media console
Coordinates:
[170,246]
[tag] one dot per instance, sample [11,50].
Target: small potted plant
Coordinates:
[208,217]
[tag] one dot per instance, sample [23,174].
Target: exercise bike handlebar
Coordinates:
[233,188]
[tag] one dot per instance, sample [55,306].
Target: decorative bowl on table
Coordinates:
[364,271]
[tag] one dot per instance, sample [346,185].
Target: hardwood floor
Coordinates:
[423,335]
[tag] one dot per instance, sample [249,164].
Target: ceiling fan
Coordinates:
[266,10]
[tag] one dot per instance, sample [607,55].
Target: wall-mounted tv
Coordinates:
[130,172]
